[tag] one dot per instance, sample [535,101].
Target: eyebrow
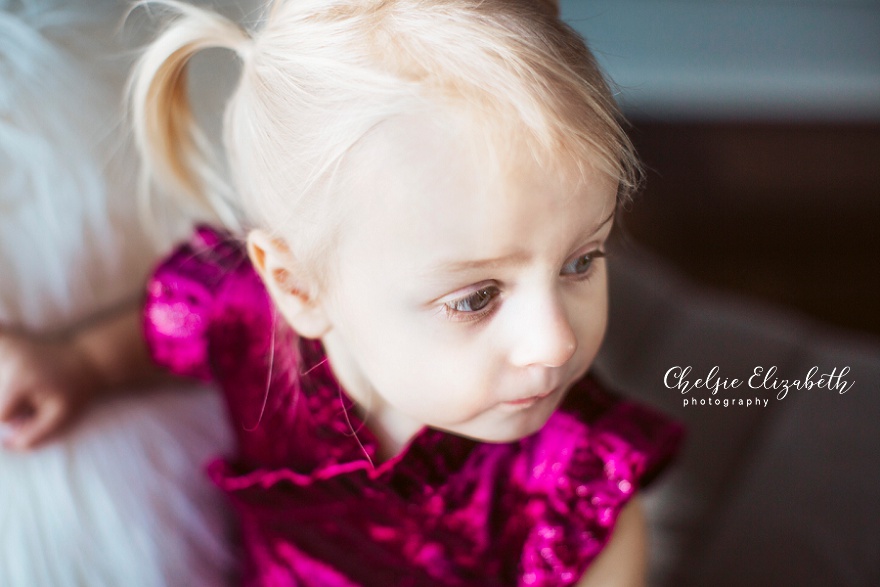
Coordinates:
[514,258]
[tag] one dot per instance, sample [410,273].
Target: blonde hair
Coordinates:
[319,75]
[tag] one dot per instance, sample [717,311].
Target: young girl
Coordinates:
[404,340]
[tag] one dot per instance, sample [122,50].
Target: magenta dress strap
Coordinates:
[316,510]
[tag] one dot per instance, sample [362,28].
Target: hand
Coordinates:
[43,385]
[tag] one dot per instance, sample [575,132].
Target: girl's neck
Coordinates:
[392,430]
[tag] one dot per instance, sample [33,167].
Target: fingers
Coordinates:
[47,420]
[7,434]
[9,404]
[14,403]
[37,392]
[14,411]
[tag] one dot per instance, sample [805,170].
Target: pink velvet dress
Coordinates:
[313,508]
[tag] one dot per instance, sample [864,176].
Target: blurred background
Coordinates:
[759,123]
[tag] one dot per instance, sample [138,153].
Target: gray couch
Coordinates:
[780,495]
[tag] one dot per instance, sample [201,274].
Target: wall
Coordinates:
[758,59]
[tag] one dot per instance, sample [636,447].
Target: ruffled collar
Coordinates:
[338,440]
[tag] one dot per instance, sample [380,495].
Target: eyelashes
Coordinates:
[476,301]
[581,265]
[481,302]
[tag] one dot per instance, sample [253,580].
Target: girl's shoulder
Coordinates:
[597,450]
[635,440]
[570,481]
[203,283]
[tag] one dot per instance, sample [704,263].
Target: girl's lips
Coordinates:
[527,401]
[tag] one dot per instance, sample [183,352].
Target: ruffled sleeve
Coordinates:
[579,472]
[181,301]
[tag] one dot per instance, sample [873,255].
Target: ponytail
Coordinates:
[175,152]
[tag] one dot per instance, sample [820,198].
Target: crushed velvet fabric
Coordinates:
[316,508]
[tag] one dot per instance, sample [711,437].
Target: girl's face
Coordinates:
[463,303]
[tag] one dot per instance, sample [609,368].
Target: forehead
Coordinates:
[466,162]
[428,191]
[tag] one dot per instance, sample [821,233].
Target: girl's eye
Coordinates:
[473,302]
[582,264]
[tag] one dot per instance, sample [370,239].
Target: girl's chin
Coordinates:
[509,429]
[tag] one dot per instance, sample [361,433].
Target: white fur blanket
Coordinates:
[121,499]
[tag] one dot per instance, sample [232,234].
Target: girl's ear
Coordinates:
[292,293]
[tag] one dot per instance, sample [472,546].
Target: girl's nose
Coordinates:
[544,336]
